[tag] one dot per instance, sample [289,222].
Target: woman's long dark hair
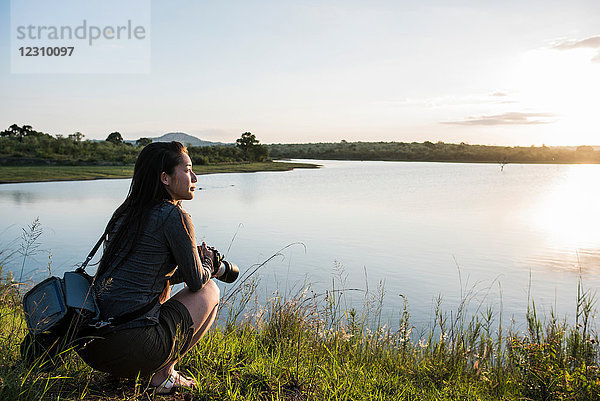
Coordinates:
[145,192]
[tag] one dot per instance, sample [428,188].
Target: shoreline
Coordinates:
[454,161]
[34,174]
[16,174]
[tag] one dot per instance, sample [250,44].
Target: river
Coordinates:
[422,230]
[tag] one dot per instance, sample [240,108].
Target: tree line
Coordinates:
[429,151]
[24,145]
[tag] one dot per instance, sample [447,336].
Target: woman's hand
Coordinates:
[206,256]
[165,294]
[210,257]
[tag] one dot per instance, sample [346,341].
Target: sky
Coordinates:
[515,73]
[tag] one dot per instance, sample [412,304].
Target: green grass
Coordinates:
[250,167]
[308,346]
[10,174]
[14,174]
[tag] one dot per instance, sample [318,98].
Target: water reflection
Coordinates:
[68,191]
[568,213]
[580,261]
[567,216]
[19,197]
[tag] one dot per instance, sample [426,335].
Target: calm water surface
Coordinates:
[424,229]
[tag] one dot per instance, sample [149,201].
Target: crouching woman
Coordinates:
[150,244]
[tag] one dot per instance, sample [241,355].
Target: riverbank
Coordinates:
[307,347]
[436,152]
[21,174]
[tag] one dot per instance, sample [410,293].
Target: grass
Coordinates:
[309,346]
[15,174]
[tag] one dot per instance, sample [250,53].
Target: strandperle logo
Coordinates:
[84,31]
[80,36]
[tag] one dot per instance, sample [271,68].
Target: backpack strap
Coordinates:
[127,317]
[81,269]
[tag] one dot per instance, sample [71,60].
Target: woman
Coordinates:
[151,244]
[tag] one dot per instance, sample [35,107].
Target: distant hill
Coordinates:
[186,139]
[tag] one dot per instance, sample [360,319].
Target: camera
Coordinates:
[227,272]
[223,270]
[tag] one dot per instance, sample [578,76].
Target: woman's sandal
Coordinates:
[173,383]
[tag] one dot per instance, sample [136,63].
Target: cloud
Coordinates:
[589,43]
[497,97]
[512,118]
[593,43]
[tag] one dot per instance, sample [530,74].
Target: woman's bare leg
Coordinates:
[202,306]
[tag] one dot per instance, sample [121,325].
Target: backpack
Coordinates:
[62,314]
[57,312]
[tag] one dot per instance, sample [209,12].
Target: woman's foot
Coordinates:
[173,382]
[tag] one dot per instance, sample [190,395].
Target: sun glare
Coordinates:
[565,84]
[569,214]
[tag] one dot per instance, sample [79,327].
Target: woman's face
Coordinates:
[181,183]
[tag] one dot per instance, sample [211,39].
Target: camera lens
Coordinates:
[231,273]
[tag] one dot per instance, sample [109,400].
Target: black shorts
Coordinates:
[141,351]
